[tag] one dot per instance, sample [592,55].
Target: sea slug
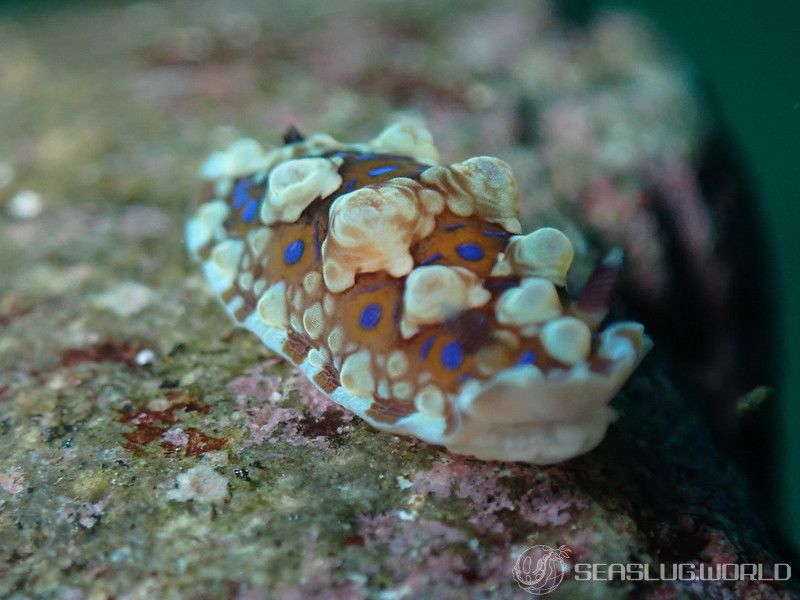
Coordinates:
[407,292]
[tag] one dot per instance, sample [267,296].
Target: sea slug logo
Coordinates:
[540,569]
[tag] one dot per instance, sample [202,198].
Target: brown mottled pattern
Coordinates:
[296,347]
[328,378]
[247,308]
[389,410]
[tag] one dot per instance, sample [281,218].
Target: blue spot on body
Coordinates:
[250,209]
[426,347]
[381,170]
[527,358]
[350,185]
[452,356]
[370,316]
[366,156]
[241,192]
[431,259]
[470,251]
[454,226]
[293,252]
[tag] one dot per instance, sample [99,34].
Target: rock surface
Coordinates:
[149,449]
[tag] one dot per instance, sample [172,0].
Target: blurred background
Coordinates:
[737,57]
[747,60]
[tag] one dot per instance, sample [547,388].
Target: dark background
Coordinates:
[747,55]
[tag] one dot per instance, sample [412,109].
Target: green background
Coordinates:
[749,54]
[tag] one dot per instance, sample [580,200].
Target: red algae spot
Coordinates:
[144,434]
[327,425]
[104,351]
[148,417]
[354,540]
[150,425]
[200,443]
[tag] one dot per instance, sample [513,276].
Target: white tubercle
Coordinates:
[258,240]
[242,157]
[546,252]
[271,308]
[372,229]
[202,228]
[295,184]
[434,293]
[225,259]
[408,138]
[313,321]
[356,374]
[567,339]
[483,186]
[430,401]
[533,302]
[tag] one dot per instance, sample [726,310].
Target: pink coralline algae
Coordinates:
[84,514]
[319,578]
[12,481]
[475,482]
[256,385]
[428,553]
[258,397]
[176,437]
[317,403]
[550,508]
[489,497]
[416,534]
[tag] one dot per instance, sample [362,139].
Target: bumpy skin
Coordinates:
[405,291]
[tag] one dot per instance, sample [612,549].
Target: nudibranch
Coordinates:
[406,291]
